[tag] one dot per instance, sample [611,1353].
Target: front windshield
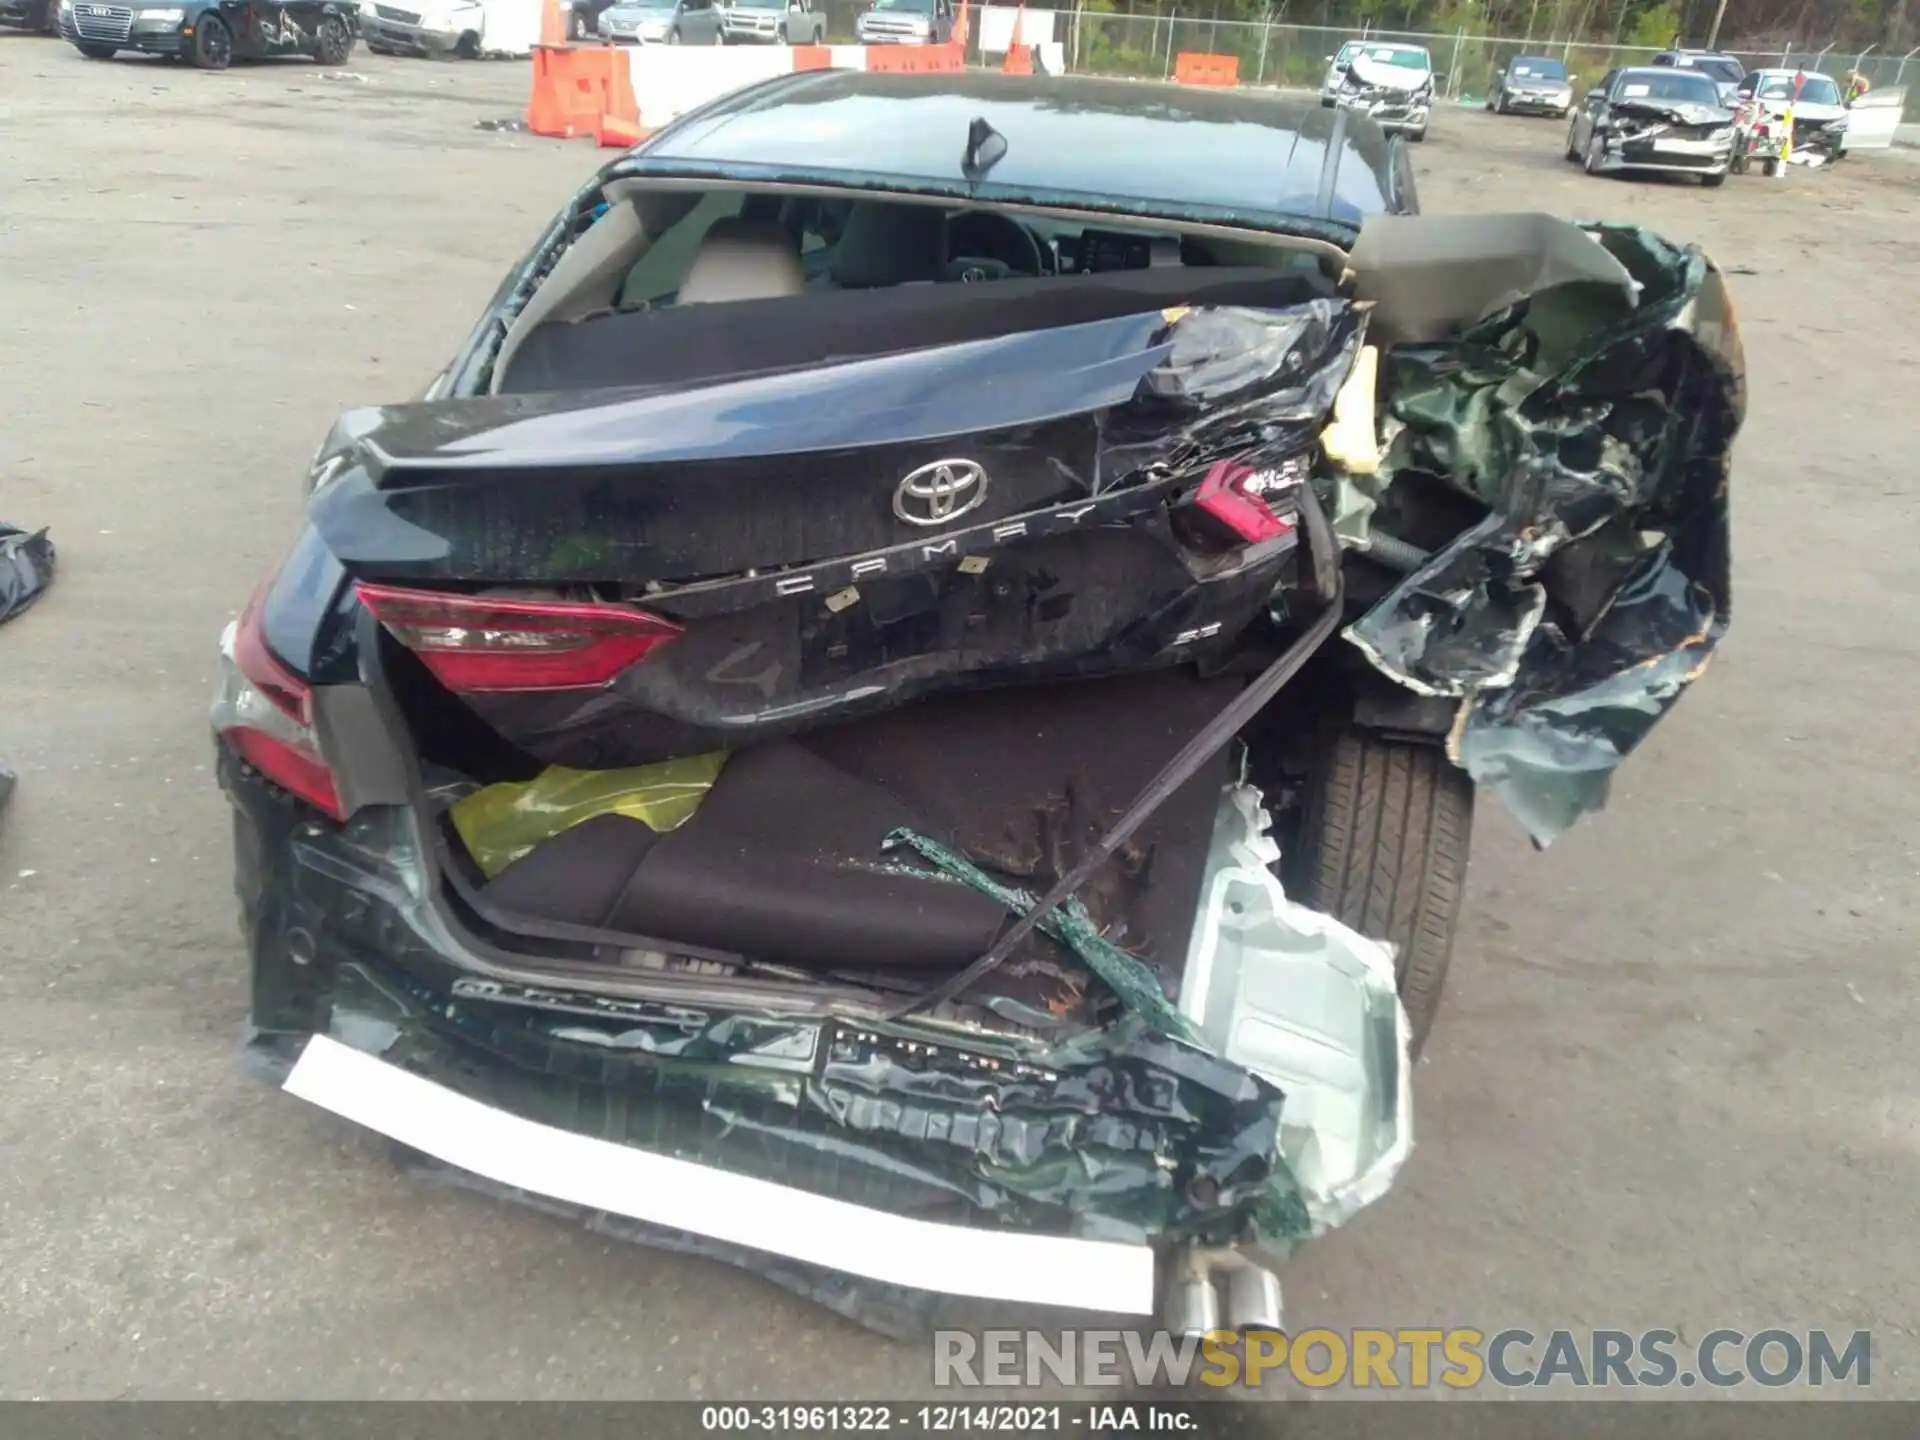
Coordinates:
[1673,86]
[1407,57]
[1818,89]
[909,7]
[1531,69]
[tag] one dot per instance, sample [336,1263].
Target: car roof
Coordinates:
[1531,59]
[1660,72]
[1237,155]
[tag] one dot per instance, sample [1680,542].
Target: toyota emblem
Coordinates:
[942,491]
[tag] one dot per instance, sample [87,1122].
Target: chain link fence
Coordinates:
[1143,45]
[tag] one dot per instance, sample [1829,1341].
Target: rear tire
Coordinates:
[333,42]
[1383,848]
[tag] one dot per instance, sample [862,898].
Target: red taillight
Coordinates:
[265,712]
[288,692]
[1225,495]
[474,644]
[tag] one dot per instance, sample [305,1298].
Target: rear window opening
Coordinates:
[801,259]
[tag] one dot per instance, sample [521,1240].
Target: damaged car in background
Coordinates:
[1654,121]
[1390,84]
[916,729]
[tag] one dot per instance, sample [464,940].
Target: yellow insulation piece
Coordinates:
[500,823]
[1350,440]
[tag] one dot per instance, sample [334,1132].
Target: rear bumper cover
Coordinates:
[1115,1277]
[878,1160]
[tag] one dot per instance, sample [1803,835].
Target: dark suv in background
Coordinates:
[1725,71]
[41,15]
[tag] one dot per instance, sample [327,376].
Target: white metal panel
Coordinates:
[600,1175]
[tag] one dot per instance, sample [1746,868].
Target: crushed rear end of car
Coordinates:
[830,812]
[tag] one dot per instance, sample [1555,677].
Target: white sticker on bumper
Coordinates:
[600,1175]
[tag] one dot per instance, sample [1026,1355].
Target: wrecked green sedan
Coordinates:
[913,725]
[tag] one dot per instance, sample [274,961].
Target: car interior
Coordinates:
[634,301]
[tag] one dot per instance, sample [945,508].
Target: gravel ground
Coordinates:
[1673,1084]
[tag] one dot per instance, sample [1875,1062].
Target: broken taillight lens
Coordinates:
[1231,494]
[265,712]
[475,644]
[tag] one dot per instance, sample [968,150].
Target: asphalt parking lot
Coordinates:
[1674,1082]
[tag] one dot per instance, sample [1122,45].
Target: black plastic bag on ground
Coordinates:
[26,568]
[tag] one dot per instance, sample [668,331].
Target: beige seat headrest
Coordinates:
[741,259]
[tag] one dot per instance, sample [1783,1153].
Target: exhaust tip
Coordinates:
[1193,1306]
[1253,1300]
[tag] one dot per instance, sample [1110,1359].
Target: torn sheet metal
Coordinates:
[26,568]
[1120,1134]
[1130,978]
[1597,586]
[1424,274]
[1308,1004]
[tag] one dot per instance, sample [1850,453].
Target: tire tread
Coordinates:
[1389,825]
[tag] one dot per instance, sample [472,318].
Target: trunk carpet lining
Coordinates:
[782,861]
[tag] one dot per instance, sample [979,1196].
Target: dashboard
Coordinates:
[987,245]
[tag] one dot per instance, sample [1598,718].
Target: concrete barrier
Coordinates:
[1196,67]
[670,80]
